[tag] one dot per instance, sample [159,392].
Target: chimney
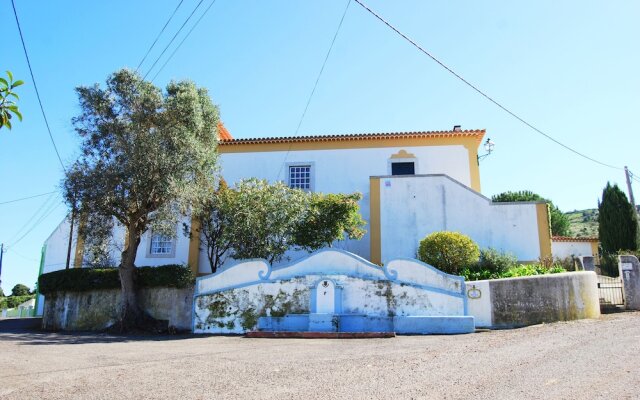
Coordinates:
[457,128]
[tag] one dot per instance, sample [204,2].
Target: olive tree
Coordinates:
[146,156]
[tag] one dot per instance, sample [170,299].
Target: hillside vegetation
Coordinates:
[583,223]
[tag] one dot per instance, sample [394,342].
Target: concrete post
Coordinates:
[629,268]
[588,263]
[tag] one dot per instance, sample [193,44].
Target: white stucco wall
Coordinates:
[411,207]
[567,249]
[55,257]
[56,248]
[346,171]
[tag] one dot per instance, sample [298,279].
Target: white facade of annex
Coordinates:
[348,171]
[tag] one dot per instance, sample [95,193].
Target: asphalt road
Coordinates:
[589,359]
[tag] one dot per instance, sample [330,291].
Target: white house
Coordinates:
[413,183]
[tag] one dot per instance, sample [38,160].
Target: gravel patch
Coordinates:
[587,359]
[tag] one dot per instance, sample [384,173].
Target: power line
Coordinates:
[173,38]
[475,88]
[183,40]
[23,256]
[158,36]
[315,85]
[27,198]
[51,209]
[35,214]
[35,86]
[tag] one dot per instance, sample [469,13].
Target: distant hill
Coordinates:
[583,223]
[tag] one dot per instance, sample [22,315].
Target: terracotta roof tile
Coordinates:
[478,133]
[223,133]
[573,239]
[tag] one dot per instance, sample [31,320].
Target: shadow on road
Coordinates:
[38,338]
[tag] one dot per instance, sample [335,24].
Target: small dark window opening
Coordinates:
[403,168]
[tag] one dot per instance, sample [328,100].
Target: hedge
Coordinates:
[85,279]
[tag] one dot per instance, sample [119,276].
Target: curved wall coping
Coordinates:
[329,261]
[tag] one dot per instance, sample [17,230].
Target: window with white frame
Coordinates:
[300,177]
[161,245]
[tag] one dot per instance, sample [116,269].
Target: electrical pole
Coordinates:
[73,217]
[1,252]
[627,174]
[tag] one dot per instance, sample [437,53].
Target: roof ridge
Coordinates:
[467,132]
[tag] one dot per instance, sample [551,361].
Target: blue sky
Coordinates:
[569,67]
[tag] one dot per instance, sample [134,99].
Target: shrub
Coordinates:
[448,251]
[85,279]
[531,269]
[14,301]
[495,261]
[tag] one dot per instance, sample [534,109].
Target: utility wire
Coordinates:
[172,39]
[315,85]
[51,209]
[159,34]
[183,40]
[43,206]
[27,198]
[35,86]
[23,256]
[475,88]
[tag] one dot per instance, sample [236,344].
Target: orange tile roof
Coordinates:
[478,133]
[574,239]
[223,133]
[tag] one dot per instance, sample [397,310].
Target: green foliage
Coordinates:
[330,217]
[1,292]
[215,216]
[448,251]
[177,276]
[491,265]
[261,220]
[146,158]
[531,269]
[494,264]
[514,271]
[559,221]
[265,219]
[609,265]
[14,301]
[617,221]
[85,279]
[8,106]
[20,290]
[583,223]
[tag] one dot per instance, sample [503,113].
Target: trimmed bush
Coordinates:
[85,279]
[448,251]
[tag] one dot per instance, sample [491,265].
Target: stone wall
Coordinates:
[97,310]
[516,302]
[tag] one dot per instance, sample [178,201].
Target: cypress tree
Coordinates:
[617,221]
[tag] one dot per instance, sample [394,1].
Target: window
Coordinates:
[403,168]
[300,177]
[161,245]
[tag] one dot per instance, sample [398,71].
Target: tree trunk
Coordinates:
[130,314]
